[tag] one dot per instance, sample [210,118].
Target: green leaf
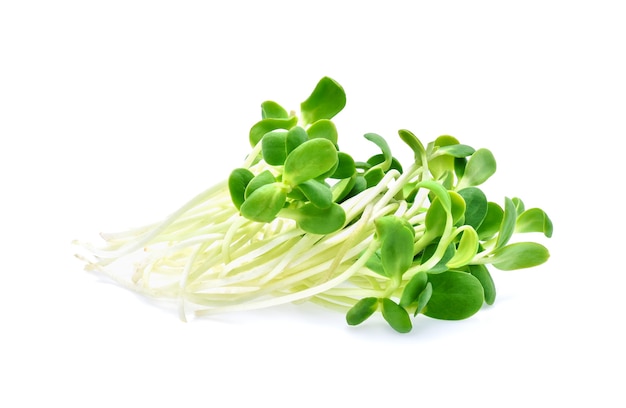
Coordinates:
[466,249]
[318,193]
[324,129]
[480,166]
[456,150]
[237,183]
[345,166]
[519,205]
[317,220]
[396,250]
[435,220]
[507,227]
[534,220]
[259,129]
[380,158]
[455,296]
[295,137]
[481,273]
[274,147]
[309,160]
[360,185]
[361,311]
[475,204]
[342,188]
[445,140]
[327,99]
[519,255]
[430,250]
[442,164]
[373,176]
[261,179]
[384,147]
[413,288]
[264,203]
[272,110]
[375,264]
[439,191]
[460,163]
[457,206]
[492,221]
[396,316]
[438,215]
[414,143]
[424,298]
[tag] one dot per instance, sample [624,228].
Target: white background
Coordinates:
[112,114]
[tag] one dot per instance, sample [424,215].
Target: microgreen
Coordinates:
[301,219]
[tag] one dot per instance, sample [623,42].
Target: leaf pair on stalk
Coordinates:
[299,161]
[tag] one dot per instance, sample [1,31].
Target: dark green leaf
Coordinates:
[396,316]
[295,137]
[263,126]
[361,311]
[380,158]
[360,185]
[457,207]
[375,264]
[492,221]
[413,288]
[318,221]
[475,206]
[309,160]
[373,176]
[384,147]
[342,188]
[317,193]
[327,99]
[264,203]
[429,251]
[424,298]
[481,273]
[261,179]
[237,183]
[345,167]
[455,296]
[459,166]
[274,147]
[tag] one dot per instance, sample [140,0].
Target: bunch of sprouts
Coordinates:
[301,220]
